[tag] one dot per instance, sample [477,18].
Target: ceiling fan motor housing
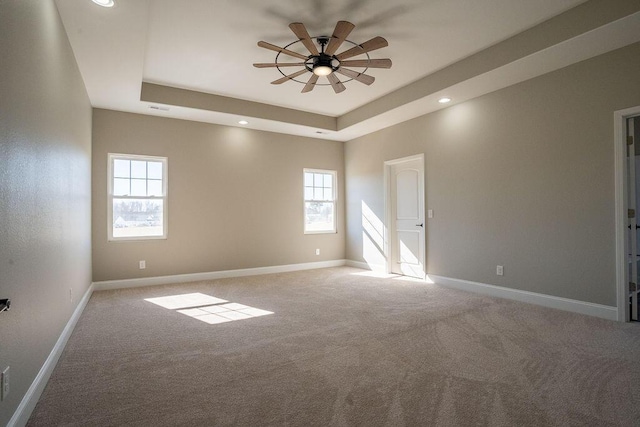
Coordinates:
[323,64]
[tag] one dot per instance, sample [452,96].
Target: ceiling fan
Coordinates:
[325,62]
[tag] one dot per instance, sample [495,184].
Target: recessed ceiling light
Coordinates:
[104,3]
[444,100]
[243,122]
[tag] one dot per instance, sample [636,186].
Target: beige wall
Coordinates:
[522,177]
[45,188]
[235,197]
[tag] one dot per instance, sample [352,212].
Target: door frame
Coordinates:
[620,163]
[387,208]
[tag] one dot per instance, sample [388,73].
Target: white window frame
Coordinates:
[334,201]
[164,197]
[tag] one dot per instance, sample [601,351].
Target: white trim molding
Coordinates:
[620,155]
[194,277]
[575,306]
[30,399]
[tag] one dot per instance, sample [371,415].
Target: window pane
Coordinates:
[308,179]
[328,180]
[138,169]
[308,193]
[154,170]
[328,194]
[317,194]
[317,179]
[319,216]
[121,168]
[121,187]
[154,187]
[137,218]
[138,187]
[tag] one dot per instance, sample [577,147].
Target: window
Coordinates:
[137,197]
[319,201]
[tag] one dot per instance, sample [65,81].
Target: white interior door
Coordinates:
[407,225]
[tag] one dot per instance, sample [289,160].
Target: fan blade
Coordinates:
[281,49]
[310,84]
[289,77]
[335,83]
[362,78]
[370,63]
[340,33]
[301,32]
[279,64]
[368,46]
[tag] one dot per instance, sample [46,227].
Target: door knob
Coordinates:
[420,225]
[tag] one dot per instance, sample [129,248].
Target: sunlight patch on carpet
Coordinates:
[394,276]
[174,302]
[207,308]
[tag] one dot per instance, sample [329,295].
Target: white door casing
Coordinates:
[632,218]
[622,206]
[405,216]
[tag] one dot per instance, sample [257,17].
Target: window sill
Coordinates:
[136,239]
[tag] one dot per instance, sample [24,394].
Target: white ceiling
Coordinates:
[209,46]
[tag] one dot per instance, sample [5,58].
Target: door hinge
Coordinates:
[632,287]
[631,213]
[629,140]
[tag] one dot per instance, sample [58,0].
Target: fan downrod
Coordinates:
[322,64]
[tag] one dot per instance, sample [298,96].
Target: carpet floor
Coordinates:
[338,347]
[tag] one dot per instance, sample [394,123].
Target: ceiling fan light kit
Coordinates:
[104,3]
[325,62]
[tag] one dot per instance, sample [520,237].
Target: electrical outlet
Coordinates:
[317,251]
[143,265]
[430,213]
[4,384]
[500,270]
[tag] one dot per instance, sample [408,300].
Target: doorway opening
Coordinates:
[627,186]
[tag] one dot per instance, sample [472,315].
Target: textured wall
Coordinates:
[522,177]
[45,188]
[235,197]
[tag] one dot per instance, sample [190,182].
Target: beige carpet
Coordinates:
[340,348]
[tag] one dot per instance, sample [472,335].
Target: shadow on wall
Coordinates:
[373,232]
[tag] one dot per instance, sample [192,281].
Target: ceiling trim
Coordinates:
[167,95]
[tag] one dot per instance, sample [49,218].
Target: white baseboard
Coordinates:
[194,277]
[575,306]
[28,402]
